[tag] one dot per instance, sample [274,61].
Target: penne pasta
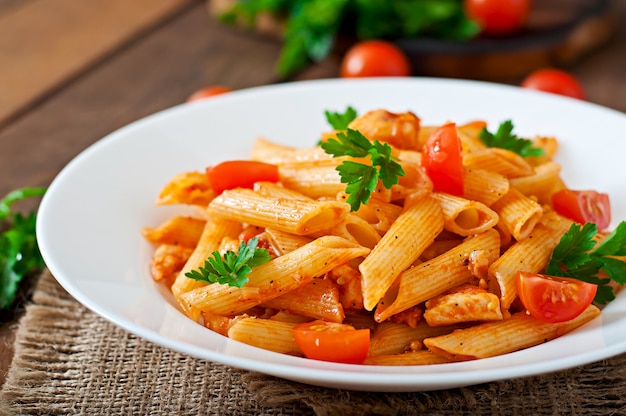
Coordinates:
[463,216]
[292,216]
[413,231]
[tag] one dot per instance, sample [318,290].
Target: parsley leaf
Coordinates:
[505,139]
[19,252]
[340,121]
[575,257]
[233,268]
[361,178]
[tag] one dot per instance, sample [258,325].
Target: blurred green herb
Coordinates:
[19,252]
[313,25]
[340,121]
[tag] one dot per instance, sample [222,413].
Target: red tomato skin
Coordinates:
[583,206]
[554,299]
[208,92]
[375,58]
[498,17]
[442,160]
[555,81]
[333,342]
[240,174]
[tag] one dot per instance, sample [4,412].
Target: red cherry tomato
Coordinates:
[583,206]
[240,174]
[498,17]
[375,58]
[207,92]
[442,160]
[554,299]
[555,81]
[335,342]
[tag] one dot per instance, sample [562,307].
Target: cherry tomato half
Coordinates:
[208,92]
[554,299]
[375,58]
[442,160]
[555,81]
[583,206]
[498,17]
[240,174]
[335,342]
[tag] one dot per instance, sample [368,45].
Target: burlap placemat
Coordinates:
[70,361]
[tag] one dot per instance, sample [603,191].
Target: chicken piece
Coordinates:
[465,303]
[168,260]
[399,130]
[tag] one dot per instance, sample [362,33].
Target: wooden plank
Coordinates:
[44,43]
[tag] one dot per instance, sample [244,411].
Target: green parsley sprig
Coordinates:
[233,268]
[576,257]
[340,121]
[361,179]
[19,252]
[505,139]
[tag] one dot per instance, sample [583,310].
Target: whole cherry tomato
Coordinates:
[207,92]
[555,81]
[498,17]
[375,58]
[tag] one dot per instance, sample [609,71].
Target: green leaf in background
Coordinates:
[313,25]
[19,252]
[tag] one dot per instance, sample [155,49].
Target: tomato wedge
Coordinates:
[442,160]
[240,174]
[583,206]
[554,299]
[327,341]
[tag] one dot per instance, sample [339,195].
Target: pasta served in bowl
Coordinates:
[275,231]
[388,243]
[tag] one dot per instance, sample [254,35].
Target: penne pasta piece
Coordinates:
[314,179]
[356,229]
[279,276]
[463,216]
[518,213]
[484,186]
[392,338]
[269,152]
[212,235]
[542,184]
[502,161]
[529,255]
[422,357]
[289,215]
[318,299]
[469,135]
[413,231]
[268,334]
[426,280]
[283,242]
[496,338]
[278,191]
[415,183]
[379,214]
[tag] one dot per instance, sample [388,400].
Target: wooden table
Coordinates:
[73,71]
